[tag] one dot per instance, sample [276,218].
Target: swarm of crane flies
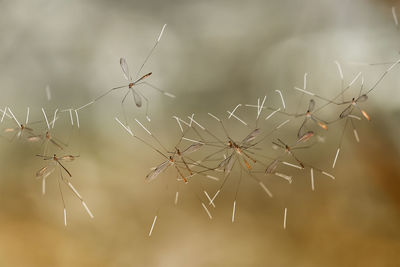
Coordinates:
[208,148]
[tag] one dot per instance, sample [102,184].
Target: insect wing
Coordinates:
[272,167]
[311,105]
[125,68]
[192,148]
[346,112]
[251,136]
[137,98]
[159,169]
[362,98]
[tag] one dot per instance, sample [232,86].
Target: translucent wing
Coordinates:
[57,145]
[159,169]
[346,112]
[302,128]
[251,136]
[192,148]
[365,115]
[272,167]
[34,138]
[311,105]
[320,123]
[362,98]
[223,163]
[8,130]
[229,165]
[125,68]
[305,136]
[42,171]
[67,158]
[137,98]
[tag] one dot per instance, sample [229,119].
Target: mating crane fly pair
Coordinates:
[27,133]
[238,150]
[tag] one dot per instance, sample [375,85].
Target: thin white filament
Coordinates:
[191,140]
[272,114]
[4,114]
[54,118]
[356,135]
[265,189]
[169,95]
[77,118]
[125,127]
[396,22]
[192,120]
[329,175]
[283,101]
[304,91]
[233,211]
[161,33]
[87,209]
[84,106]
[261,107]
[292,165]
[283,123]
[339,69]
[152,226]
[214,117]
[209,199]
[233,111]
[27,116]
[15,119]
[208,212]
[212,177]
[179,123]
[70,116]
[143,126]
[65,217]
[284,176]
[216,194]
[312,179]
[73,189]
[48,92]
[355,79]
[176,198]
[236,117]
[284,218]
[337,154]
[45,117]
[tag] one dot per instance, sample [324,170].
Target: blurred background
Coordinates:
[212,56]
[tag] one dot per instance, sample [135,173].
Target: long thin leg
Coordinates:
[147,104]
[123,108]
[63,201]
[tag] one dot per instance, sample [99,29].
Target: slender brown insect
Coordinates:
[172,162]
[133,84]
[56,163]
[303,135]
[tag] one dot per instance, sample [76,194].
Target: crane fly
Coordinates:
[133,83]
[172,160]
[22,130]
[303,135]
[238,149]
[289,150]
[44,172]
[354,104]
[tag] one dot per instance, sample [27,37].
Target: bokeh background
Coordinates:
[213,55]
